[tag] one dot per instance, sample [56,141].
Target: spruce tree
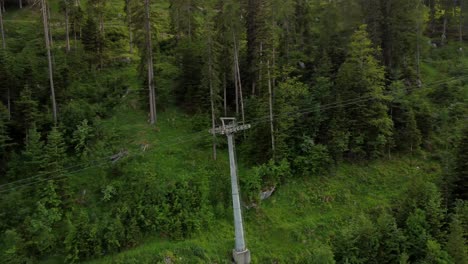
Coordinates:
[361,78]
[33,154]
[26,110]
[55,156]
[457,246]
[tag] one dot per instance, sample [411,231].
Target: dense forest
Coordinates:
[358,110]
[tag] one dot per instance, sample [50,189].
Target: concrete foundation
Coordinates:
[242,257]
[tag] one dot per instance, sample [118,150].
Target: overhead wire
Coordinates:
[192,137]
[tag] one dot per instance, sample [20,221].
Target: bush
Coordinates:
[314,160]
[265,176]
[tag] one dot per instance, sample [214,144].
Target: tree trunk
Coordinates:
[2,30]
[49,58]
[213,115]
[20,3]
[67,28]
[225,94]
[418,47]
[149,51]
[48,25]
[236,86]
[270,97]
[236,60]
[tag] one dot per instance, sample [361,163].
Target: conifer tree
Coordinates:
[26,110]
[92,41]
[33,154]
[457,246]
[54,151]
[361,77]
[183,18]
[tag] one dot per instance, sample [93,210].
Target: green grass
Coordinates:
[301,214]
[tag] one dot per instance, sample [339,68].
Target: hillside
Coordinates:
[358,123]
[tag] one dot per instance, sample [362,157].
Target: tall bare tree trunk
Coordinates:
[67,28]
[48,25]
[20,3]
[213,114]
[49,58]
[270,97]
[2,29]
[236,59]
[149,50]
[225,94]
[418,47]
[236,85]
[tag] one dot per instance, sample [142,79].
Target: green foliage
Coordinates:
[4,138]
[82,139]
[265,177]
[54,153]
[461,168]
[33,156]
[27,110]
[424,197]
[46,217]
[13,249]
[92,40]
[457,246]
[435,254]
[314,159]
[391,239]
[358,243]
[416,230]
[361,76]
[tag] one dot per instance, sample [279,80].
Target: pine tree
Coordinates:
[457,246]
[411,133]
[54,151]
[26,110]
[361,77]
[416,232]
[33,154]
[183,18]
[391,241]
[92,41]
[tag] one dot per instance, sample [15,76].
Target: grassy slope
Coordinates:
[289,223]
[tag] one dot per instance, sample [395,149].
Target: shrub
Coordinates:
[314,160]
